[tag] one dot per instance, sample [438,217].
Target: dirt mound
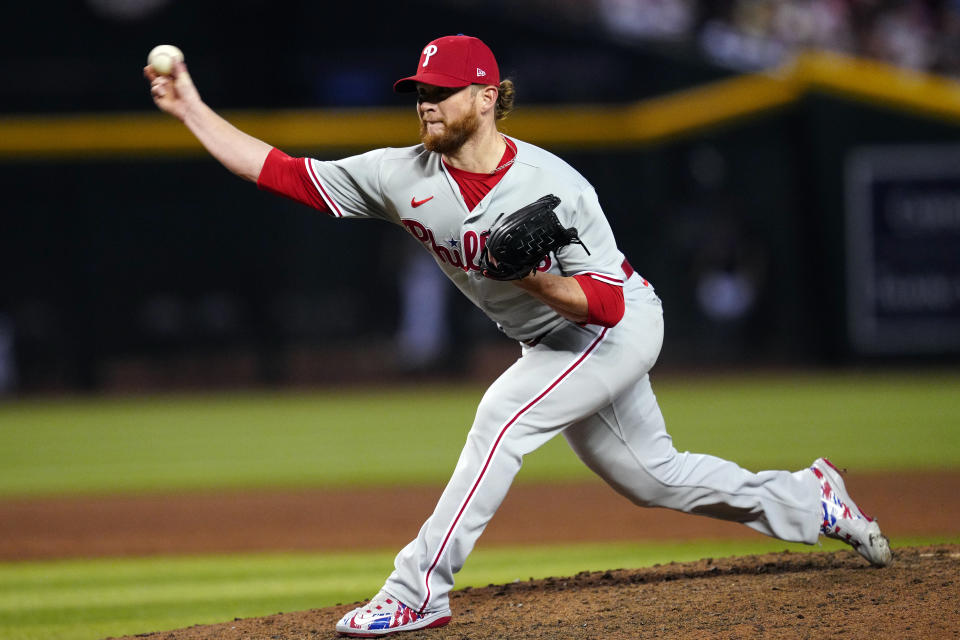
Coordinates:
[785,595]
[918,503]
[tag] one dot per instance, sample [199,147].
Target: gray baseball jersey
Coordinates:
[588,382]
[410,187]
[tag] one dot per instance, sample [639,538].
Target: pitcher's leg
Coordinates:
[542,393]
[627,444]
[424,569]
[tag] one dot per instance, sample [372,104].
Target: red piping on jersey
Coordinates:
[289,177]
[603,278]
[627,271]
[323,192]
[493,450]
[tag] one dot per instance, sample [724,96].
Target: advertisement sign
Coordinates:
[903,249]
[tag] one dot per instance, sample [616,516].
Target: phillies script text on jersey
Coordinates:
[472,243]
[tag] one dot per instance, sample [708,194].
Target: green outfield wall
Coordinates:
[736,198]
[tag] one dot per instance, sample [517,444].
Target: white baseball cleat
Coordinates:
[384,615]
[843,519]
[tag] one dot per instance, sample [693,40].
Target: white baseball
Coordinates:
[162,58]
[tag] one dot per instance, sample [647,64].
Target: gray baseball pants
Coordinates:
[592,385]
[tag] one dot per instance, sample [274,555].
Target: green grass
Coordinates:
[414,435]
[91,599]
[327,439]
[229,440]
[866,422]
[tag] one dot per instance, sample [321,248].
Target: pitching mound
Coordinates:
[786,595]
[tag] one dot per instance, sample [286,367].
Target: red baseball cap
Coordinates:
[453,61]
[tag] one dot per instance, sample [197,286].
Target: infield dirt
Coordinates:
[907,504]
[787,595]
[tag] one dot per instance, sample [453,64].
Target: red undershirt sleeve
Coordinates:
[287,176]
[605,305]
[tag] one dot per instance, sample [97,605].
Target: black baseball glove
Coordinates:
[518,242]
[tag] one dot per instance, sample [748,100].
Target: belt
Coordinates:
[533,341]
[628,271]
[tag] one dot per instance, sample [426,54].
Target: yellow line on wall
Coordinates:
[649,120]
[697,108]
[921,93]
[152,134]
[158,134]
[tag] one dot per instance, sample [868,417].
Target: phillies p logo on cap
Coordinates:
[427,52]
[453,61]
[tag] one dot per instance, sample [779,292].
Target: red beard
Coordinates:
[454,134]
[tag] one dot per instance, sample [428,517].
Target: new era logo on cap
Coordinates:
[453,61]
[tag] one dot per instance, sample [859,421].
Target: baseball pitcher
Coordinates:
[524,237]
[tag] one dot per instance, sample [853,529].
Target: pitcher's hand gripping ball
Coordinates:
[517,243]
[163,57]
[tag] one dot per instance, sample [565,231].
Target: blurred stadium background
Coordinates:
[786,173]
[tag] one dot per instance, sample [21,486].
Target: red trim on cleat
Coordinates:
[385,615]
[844,520]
